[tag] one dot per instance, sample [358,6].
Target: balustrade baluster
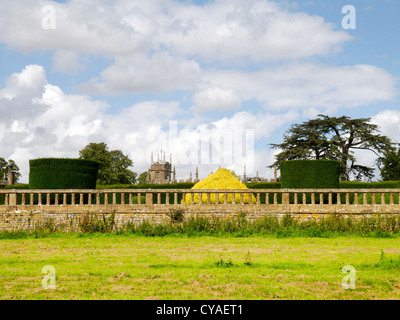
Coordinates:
[167,198]
[200,198]
[356,198]
[347,199]
[64,199]
[225,198]
[97,198]
[258,198]
[373,198]
[365,198]
[47,199]
[23,199]
[304,198]
[391,198]
[382,198]
[330,198]
[175,198]
[275,198]
[191,198]
[321,198]
[56,199]
[241,198]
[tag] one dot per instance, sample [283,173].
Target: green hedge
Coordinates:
[58,173]
[369,185]
[180,185]
[310,174]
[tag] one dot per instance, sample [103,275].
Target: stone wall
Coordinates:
[27,209]
[69,221]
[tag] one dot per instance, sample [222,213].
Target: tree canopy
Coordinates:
[142,179]
[6,167]
[334,138]
[389,165]
[114,165]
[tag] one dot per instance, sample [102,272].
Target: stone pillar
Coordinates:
[149,200]
[11,178]
[244,175]
[197,174]
[285,197]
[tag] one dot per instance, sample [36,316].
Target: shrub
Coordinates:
[221,179]
[310,174]
[55,173]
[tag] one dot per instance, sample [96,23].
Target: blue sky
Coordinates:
[127,72]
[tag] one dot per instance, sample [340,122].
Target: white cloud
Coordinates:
[221,30]
[388,122]
[63,124]
[67,61]
[138,73]
[298,85]
[215,99]
[249,30]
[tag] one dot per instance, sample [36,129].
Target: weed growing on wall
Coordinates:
[378,226]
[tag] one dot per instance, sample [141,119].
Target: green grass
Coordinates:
[131,266]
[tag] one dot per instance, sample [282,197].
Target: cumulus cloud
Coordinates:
[138,73]
[388,122]
[259,30]
[67,61]
[160,45]
[215,99]
[63,124]
[309,85]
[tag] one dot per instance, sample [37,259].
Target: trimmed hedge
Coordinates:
[310,174]
[62,173]
[369,185]
[180,185]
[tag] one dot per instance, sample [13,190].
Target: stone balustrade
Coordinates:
[162,200]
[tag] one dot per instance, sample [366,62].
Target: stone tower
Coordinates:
[160,170]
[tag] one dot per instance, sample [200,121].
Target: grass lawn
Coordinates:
[109,266]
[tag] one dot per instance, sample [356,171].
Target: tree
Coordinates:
[334,138]
[113,164]
[142,179]
[390,162]
[6,167]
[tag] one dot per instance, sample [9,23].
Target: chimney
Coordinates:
[11,177]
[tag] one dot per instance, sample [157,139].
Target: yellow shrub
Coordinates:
[221,179]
